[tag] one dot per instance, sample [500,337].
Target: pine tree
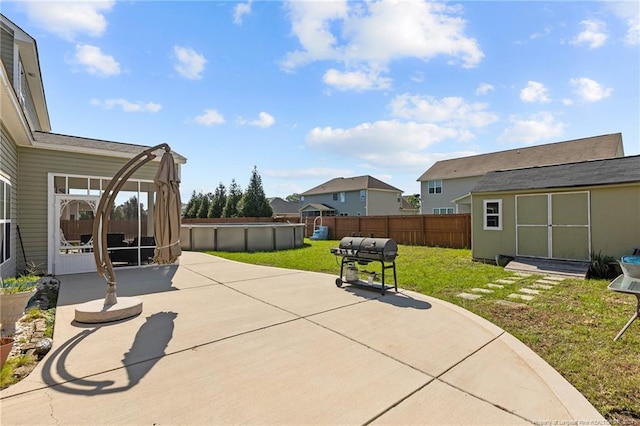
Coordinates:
[188,210]
[218,202]
[254,202]
[233,198]
[203,210]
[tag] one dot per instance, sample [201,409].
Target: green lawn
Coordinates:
[571,325]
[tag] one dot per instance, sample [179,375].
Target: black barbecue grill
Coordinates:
[356,251]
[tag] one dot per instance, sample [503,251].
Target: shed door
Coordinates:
[553,225]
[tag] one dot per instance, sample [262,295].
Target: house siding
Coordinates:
[33,168]
[9,170]
[486,244]
[451,189]
[6,51]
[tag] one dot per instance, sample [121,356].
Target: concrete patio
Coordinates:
[220,342]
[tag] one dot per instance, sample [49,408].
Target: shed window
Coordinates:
[435,187]
[492,215]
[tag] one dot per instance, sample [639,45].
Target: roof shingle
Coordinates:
[592,148]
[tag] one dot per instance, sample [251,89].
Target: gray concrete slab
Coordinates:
[223,343]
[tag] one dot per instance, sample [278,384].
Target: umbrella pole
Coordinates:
[100,229]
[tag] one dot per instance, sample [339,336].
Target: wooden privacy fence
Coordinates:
[450,230]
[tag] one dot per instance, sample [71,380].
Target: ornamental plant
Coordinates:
[21,284]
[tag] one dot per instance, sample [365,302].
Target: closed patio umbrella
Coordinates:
[167,212]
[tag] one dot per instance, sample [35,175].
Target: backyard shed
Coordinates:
[566,212]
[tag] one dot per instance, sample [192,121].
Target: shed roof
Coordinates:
[586,173]
[592,148]
[78,144]
[357,183]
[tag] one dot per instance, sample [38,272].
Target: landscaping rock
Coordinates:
[43,346]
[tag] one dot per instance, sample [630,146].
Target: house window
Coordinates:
[435,187]
[443,210]
[342,197]
[335,196]
[363,195]
[5,220]
[492,215]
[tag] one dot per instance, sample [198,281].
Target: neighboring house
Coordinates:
[445,187]
[408,208]
[566,211]
[284,208]
[355,196]
[50,184]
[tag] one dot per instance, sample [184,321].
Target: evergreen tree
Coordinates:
[254,202]
[203,209]
[293,198]
[196,201]
[233,198]
[189,207]
[218,202]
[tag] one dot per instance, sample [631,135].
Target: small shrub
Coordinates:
[602,267]
[19,284]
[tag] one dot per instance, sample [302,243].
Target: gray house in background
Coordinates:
[50,184]
[445,187]
[284,208]
[355,196]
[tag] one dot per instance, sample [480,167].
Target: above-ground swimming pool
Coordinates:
[242,236]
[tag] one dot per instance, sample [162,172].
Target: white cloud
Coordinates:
[67,19]
[534,92]
[96,62]
[240,10]
[589,90]
[393,144]
[594,34]
[190,63]
[306,173]
[367,36]
[629,12]
[126,105]
[210,117]
[533,129]
[451,111]
[484,88]
[356,80]
[264,120]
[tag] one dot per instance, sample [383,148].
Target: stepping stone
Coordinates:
[510,304]
[529,291]
[541,286]
[522,275]
[491,285]
[555,278]
[547,282]
[482,290]
[468,296]
[520,296]
[501,281]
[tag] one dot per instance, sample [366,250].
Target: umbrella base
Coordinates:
[96,311]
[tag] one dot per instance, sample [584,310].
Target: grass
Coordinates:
[571,325]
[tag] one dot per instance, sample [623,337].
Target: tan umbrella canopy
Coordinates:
[167,212]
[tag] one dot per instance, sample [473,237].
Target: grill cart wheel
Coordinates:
[338,282]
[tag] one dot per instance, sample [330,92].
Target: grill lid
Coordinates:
[369,248]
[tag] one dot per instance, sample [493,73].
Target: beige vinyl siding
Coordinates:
[33,168]
[6,50]
[485,244]
[383,203]
[9,170]
[615,218]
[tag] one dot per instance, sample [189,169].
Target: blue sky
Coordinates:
[307,91]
